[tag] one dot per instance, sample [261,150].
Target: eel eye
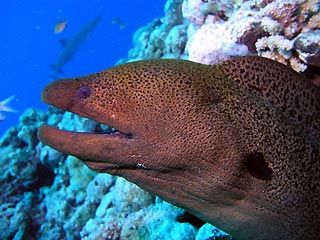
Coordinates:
[84,92]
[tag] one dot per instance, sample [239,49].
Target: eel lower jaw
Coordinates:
[114,153]
[95,147]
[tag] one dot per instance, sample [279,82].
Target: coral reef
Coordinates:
[213,31]
[162,38]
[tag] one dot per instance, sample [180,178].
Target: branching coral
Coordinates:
[212,31]
[295,18]
[269,28]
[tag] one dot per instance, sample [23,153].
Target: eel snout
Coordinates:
[100,151]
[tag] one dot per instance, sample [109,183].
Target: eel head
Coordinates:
[153,105]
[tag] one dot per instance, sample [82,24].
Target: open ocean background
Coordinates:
[29,44]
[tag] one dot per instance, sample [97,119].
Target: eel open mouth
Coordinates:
[100,149]
[100,129]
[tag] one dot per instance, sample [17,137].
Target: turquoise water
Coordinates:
[29,44]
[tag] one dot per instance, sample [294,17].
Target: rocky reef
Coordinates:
[213,31]
[48,195]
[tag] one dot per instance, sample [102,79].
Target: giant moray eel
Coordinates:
[236,144]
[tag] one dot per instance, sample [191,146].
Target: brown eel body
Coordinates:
[236,144]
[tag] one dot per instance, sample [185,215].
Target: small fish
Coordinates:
[116,20]
[122,25]
[5,108]
[71,46]
[60,26]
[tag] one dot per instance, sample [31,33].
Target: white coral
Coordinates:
[271,26]
[277,42]
[191,10]
[212,44]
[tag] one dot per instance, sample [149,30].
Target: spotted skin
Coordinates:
[284,88]
[201,139]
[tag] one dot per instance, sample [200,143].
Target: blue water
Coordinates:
[29,44]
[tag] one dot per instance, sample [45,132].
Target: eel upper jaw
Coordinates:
[99,150]
[60,95]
